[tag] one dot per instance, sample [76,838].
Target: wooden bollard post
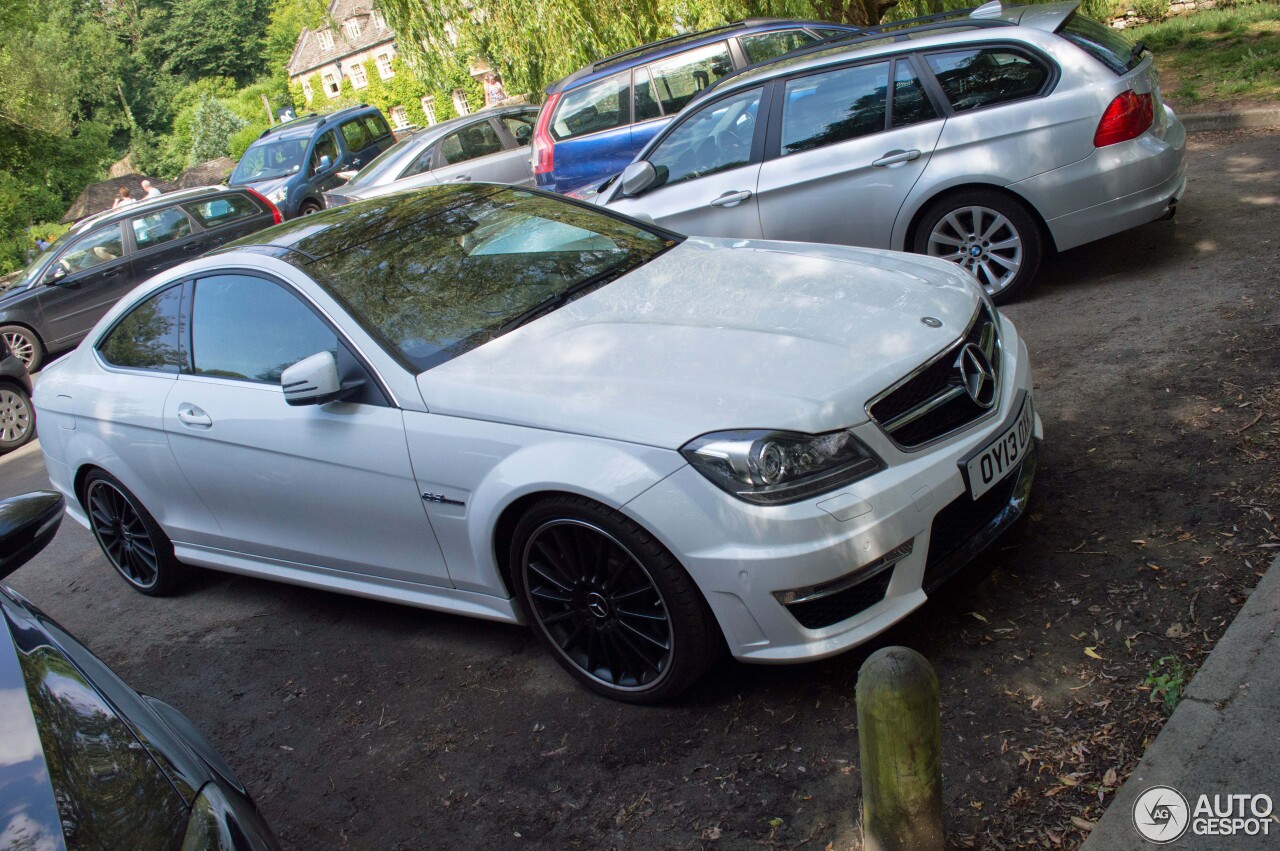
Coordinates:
[900,746]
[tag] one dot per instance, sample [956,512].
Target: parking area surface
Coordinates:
[365,725]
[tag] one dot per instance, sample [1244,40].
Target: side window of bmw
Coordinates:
[910,103]
[248,328]
[716,138]
[836,106]
[986,76]
[147,337]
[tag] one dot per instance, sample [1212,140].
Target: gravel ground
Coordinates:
[371,726]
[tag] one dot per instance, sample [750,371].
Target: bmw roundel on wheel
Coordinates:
[502,403]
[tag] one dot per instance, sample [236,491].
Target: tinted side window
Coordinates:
[910,103]
[221,210]
[678,79]
[590,109]
[100,247]
[976,78]
[520,127]
[646,106]
[250,328]
[822,109]
[376,126]
[1101,42]
[421,163]
[469,143]
[147,337]
[764,46]
[160,227]
[716,138]
[327,146]
[356,135]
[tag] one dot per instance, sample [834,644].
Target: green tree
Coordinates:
[207,38]
[213,125]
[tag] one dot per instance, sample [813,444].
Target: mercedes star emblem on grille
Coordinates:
[978,376]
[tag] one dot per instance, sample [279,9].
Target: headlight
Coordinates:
[777,467]
[278,196]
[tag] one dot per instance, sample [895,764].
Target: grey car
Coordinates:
[988,137]
[491,146]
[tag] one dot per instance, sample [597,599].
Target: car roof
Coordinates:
[663,48]
[144,204]
[309,124]
[891,35]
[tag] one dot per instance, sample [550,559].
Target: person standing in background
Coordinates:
[124,198]
[149,191]
[494,92]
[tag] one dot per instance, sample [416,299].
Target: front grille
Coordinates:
[933,402]
[824,611]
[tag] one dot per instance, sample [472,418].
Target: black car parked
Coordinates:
[17,416]
[69,287]
[88,762]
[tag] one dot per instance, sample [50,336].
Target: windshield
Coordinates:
[370,172]
[37,265]
[269,159]
[440,285]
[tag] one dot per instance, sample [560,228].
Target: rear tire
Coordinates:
[609,602]
[130,538]
[990,234]
[308,207]
[24,344]
[17,418]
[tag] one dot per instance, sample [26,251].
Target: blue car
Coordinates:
[596,119]
[295,163]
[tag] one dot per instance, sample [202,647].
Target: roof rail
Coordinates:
[283,124]
[939,21]
[663,42]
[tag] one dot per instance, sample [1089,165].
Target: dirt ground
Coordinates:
[370,726]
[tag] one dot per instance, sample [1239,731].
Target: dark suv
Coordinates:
[68,288]
[295,163]
[596,119]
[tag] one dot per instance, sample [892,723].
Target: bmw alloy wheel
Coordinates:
[982,241]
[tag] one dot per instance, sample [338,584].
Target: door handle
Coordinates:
[462,177]
[731,199]
[193,246]
[111,273]
[189,414]
[896,158]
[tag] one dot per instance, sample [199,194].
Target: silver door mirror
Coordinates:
[638,177]
[314,381]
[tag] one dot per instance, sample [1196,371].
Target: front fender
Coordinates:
[470,472]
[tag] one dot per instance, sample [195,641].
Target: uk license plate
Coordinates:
[1002,455]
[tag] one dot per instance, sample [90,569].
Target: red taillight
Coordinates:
[1127,117]
[544,147]
[276,218]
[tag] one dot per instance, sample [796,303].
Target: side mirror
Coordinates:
[638,177]
[315,381]
[325,162]
[27,524]
[59,272]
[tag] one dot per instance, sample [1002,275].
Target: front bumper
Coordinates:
[743,557]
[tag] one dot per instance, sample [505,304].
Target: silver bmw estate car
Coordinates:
[986,137]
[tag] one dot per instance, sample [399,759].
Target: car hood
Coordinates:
[266,187]
[716,334]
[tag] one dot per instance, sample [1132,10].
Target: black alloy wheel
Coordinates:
[612,605]
[130,537]
[17,418]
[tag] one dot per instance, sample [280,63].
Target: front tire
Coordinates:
[989,234]
[613,607]
[24,345]
[17,418]
[130,538]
